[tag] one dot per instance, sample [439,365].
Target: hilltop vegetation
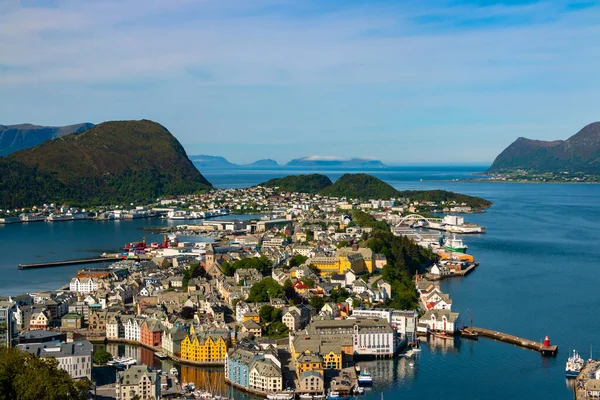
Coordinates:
[578,154]
[360,186]
[120,161]
[312,183]
[364,186]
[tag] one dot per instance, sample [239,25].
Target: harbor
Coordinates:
[50,264]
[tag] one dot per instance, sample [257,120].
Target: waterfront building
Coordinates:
[265,376]
[172,338]
[441,321]
[205,346]
[114,328]
[309,361]
[133,328]
[74,357]
[137,382]
[405,323]
[367,337]
[254,369]
[333,353]
[237,366]
[83,285]
[311,382]
[151,332]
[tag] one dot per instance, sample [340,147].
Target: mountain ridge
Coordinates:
[18,137]
[578,153]
[115,161]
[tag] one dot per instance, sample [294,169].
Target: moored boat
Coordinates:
[455,244]
[365,378]
[574,365]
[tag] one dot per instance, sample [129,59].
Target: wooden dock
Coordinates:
[50,264]
[517,341]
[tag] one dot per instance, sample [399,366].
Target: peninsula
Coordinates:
[571,160]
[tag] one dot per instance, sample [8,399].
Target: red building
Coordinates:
[151,333]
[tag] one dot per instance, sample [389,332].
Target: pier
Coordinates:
[50,264]
[545,350]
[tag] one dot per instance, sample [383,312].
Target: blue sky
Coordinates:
[400,81]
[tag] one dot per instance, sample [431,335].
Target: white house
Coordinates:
[441,320]
[83,285]
[266,376]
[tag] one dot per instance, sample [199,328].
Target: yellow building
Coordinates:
[314,354]
[358,259]
[205,346]
[251,316]
[308,361]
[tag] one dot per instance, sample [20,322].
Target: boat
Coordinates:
[306,396]
[333,395]
[173,371]
[191,386]
[574,365]
[365,378]
[357,368]
[161,355]
[468,332]
[454,244]
[286,395]
[441,335]
[359,390]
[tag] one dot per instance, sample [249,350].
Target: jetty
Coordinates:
[50,264]
[546,349]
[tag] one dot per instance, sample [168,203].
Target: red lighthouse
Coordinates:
[546,341]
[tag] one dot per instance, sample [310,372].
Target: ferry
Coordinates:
[574,365]
[365,378]
[455,244]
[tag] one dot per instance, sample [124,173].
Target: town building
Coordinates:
[74,357]
[137,382]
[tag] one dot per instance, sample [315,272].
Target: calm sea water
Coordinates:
[538,276]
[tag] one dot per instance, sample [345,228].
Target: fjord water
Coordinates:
[538,275]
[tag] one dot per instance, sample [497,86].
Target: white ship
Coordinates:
[574,365]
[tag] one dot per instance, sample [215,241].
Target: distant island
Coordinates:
[311,162]
[576,159]
[113,162]
[364,186]
[24,136]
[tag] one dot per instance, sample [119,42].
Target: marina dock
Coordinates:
[51,264]
[545,350]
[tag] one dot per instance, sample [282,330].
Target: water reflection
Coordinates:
[211,379]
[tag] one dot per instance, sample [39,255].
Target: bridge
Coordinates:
[416,217]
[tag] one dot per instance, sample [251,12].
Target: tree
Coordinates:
[317,302]
[342,243]
[276,328]
[266,313]
[102,356]
[315,270]
[356,303]
[276,315]
[308,282]
[24,376]
[297,260]
[187,313]
[265,290]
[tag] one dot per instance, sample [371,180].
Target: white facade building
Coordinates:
[83,285]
